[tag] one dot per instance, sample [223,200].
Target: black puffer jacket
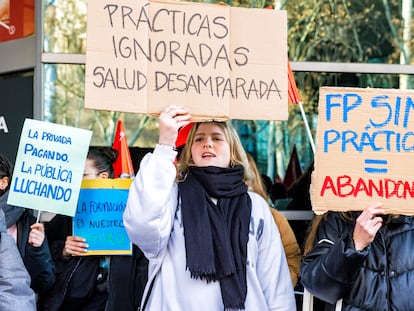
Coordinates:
[379,278]
[76,277]
[78,285]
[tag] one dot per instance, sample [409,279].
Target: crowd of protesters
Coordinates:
[207,234]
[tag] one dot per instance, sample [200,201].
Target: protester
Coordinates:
[81,281]
[279,197]
[15,291]
[290,245]
[299,193]
[28,234]
[278,191]
[267,183]
[299,200]
[363,258]
[126,282]
[211,244]
[109,283]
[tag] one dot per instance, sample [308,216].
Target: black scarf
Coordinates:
[216,236]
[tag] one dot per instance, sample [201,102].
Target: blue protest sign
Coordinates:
[98,216]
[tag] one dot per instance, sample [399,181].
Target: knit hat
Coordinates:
[182,135]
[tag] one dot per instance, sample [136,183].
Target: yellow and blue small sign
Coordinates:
[98,216]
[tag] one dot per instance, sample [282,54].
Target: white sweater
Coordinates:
[152,219]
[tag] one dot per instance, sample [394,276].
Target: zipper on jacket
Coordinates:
[387,272]
[69,279]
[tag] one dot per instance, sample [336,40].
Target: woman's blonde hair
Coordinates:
[256,184]
[237,153]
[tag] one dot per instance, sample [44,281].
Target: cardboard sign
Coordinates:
[49,167]
[98,216]
[365,150]
[221,62]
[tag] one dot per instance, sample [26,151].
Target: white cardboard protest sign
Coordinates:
[365,148]
[49,167]
[221,62]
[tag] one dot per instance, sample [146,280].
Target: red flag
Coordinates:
[293,89]
[293,170]
[277,179]
[123,167]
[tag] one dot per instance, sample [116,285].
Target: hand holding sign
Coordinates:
[367,226]
[171,119]
[37,234]
[75,246]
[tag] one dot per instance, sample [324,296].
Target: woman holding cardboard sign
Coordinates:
[211,244]
[364,260]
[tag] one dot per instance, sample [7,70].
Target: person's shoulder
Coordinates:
[338,220]
[257,198]
[259,204]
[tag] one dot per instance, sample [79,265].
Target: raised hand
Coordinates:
[170,120]
[37,234]
[367,226]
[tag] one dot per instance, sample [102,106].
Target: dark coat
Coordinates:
[76,277]
[79,284]
[127,278]
[379,278]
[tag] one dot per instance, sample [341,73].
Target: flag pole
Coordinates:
[294,98]
[302,112]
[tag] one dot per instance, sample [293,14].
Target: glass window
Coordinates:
[16,91]
[64,104]
[65,26]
